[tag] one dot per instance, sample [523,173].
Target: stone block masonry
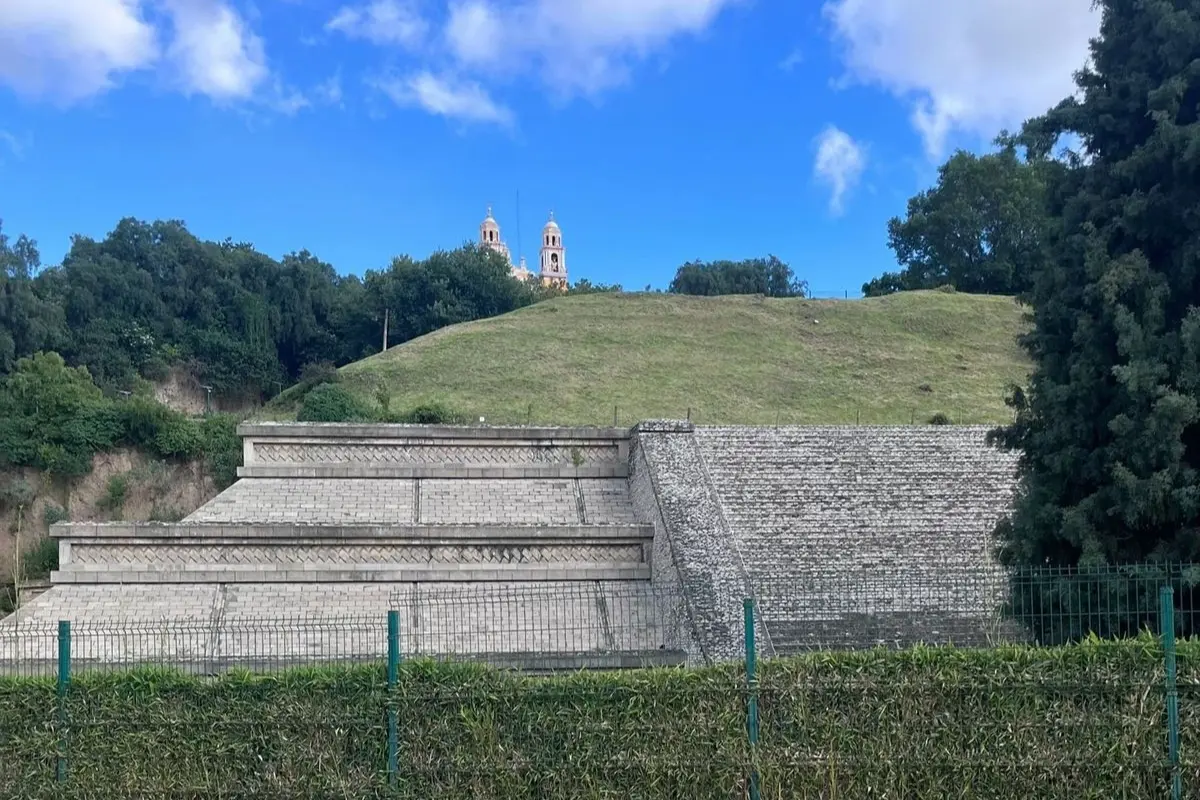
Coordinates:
[311,450]
[865,535]
[844,536]
[210,628]
[703,552]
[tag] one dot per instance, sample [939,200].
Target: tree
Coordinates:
[27,321]
[1109,425]
[768,276]
[980,229]
[54,417]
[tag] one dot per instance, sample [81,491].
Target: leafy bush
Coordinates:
[154,368]
[1084,721]
[180,438]
[15,492]
[430,414]
[53,417]
[53,514]
[939,419]
[222,448]
[316,373]
[331,402]
[40,559]
[115,493]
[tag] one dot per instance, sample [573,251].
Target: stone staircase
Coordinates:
[517,546]
[362,503]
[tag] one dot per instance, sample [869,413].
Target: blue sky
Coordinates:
[658,131]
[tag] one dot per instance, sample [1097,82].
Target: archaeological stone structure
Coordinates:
[543,548]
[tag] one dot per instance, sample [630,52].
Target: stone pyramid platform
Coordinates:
[494,542]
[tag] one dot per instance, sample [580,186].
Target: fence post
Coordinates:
[64,682]
[393,669]
[1167,624]
[752,700]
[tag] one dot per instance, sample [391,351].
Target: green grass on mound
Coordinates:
[743,360]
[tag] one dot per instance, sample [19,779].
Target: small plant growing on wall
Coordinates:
[577,457]
[114,496]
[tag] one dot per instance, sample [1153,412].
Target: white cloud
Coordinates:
[578,47]
[792,60]
[13,144]
[74,49]
[471,32]
[286,99]
[69,50]
[839,164]
[973,67]
[214,51]
[381,22]
[446,96]
[330,90]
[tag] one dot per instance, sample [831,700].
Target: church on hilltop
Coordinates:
[552,268]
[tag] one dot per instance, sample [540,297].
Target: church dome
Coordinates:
[551,225]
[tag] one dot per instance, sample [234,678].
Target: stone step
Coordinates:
[367,574]
[463,470]
[307,450]
[225,532]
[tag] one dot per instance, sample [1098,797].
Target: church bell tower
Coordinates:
[554,256]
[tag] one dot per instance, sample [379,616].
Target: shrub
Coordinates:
[331,402]
[222,448]
[179,437]
[1063,723]
[939,419]
[165,514]
[52,514]
[40,559]
[16,492]
[142,418]
[53,417]
[318,372]
[947,288]
[155,369]
[430,414]
[115,493]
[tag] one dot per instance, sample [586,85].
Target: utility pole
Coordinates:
[386,314]
[207,399]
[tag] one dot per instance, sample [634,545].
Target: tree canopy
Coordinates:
[980,229]
[1109,425]
[152,295]
[768,276]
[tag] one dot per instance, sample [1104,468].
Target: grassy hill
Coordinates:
[747,360]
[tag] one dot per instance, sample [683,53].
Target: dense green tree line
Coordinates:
[152,295]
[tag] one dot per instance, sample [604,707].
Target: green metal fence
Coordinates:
[1048,716]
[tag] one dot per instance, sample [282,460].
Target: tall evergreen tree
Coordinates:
[1109,427]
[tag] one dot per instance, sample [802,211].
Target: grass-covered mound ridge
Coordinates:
[1082,721]
[733,360]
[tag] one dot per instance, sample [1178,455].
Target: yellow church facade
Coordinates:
[552,256]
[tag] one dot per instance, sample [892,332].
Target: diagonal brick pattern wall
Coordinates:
[856,536]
